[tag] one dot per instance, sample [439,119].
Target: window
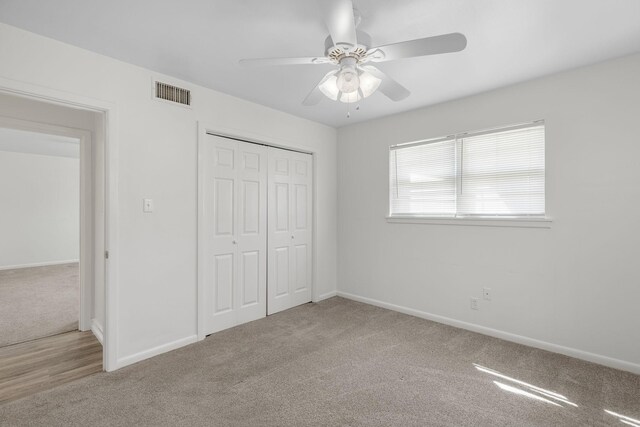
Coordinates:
[498,173]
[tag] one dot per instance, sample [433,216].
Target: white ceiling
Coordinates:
[21,141]
[202,40]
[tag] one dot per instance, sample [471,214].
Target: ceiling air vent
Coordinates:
[173,93]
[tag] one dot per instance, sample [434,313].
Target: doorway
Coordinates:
[54,109]
[56,203]
[44,288]
[48,277]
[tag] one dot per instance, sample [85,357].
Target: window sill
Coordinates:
[478,222]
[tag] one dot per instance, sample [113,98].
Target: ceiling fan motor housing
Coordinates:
[359,52]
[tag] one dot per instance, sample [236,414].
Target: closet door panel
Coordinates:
[234,232]
[301,206]
[257,233]
[252,234]
[250,191]
[223,276]
[250,278]
[301,232]
[281,282]
[300,263]
[282,207]
[219,230]
[289,257]
[223,202]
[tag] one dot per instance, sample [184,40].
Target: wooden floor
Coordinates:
[41,364]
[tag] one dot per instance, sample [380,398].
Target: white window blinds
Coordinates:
[498,173]
[423,179]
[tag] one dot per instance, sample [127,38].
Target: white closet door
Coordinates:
[235,232]
[290,229]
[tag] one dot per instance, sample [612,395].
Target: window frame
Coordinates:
[521,221]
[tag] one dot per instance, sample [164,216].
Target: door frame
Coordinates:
[86,205]
[205,129]
[109,132]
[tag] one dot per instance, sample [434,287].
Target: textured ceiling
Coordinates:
[201,41]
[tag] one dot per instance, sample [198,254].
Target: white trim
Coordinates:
[200,256]
[87,231]
[478,222]
[39,264]
[314,230]
[67,99]
[458,135]
[255,137]
[155,351]
[507,336]
[205,128]
[111,240]
[326,296]
[96,328]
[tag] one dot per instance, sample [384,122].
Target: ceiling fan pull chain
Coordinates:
[349,109]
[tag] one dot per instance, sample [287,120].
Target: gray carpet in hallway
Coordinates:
[341,363]
[38,302]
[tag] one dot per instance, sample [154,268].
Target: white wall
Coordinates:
[39,219]
[575,285]
[156,144]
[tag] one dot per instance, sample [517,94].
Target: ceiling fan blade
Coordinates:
[389,87]
[338,16]
[263,62]
[316,94]
[445,43]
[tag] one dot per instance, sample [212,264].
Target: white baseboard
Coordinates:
[38,264]
[146,354]
[325,296]
[531,342]
[97,330]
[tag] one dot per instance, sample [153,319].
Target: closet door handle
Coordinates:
[234,242]
[292,237]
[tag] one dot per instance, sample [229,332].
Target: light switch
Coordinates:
[147,205]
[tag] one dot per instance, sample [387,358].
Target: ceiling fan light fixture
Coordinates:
[350,98]
[330,88]
[368,83]
[350,83]
[348,80]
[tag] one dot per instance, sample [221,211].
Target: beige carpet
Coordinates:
[38,302]
[341,363]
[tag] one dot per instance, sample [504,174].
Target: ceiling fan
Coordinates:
[350,50]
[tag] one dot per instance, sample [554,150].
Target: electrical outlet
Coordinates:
[474,304]
[486,293]
[147,205]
